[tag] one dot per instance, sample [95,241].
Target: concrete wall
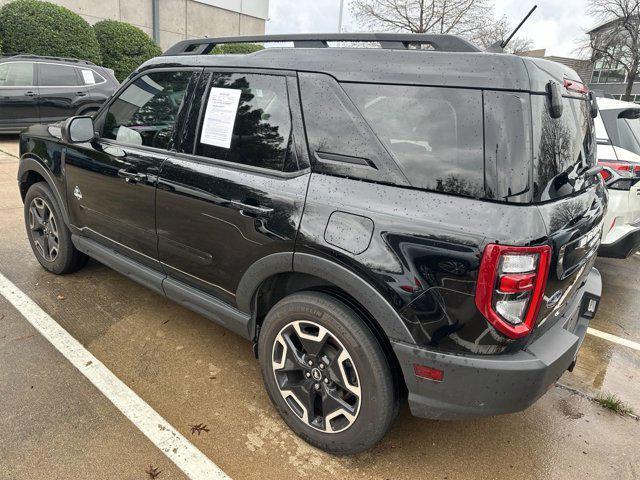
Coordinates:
[179,19]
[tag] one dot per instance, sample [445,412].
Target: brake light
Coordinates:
[510,288]
[605,174]
[573,86]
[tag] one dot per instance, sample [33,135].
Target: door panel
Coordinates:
[18,95]
[111,196]
[214,222]
[223,209]
[111,182]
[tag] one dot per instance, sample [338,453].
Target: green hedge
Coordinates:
[42,28]
[228,48]
[124,47]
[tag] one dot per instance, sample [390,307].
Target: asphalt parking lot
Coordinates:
[57,424]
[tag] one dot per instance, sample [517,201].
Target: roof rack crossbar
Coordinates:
[445,43]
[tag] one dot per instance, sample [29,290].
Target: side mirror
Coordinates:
[78,130]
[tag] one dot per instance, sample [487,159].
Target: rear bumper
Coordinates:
[623,247]
[475,386]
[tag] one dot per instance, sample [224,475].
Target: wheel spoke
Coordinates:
[314,341]
[37,222]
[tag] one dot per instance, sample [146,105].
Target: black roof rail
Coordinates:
[45,57]
[445,43]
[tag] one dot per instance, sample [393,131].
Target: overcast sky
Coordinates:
[557,25]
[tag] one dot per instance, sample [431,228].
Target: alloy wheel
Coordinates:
[44,229]
[316,376]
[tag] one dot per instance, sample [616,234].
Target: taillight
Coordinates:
[510,288]
[618,165]
[605,174]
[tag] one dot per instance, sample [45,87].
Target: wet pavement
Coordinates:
[55,424]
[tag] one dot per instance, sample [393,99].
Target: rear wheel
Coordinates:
[49,237]
[326,373]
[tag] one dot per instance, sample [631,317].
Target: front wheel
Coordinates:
[326,373]
[49,237]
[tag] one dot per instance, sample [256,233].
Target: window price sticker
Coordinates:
[220,117]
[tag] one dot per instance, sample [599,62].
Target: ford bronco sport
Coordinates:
[379,222]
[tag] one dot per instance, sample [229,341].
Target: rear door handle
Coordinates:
[30,94]
[81,94]
[131,176]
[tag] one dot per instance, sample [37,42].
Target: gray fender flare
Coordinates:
[30,164]
[362,291]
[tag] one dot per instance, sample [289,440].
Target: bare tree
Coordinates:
[497,32]
[619,41]
[460,17]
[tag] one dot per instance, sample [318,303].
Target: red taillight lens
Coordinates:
[606,174]
[615,165]
[574,86]
[510,288]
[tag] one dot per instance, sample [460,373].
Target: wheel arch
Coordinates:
[32,171]
[275,276]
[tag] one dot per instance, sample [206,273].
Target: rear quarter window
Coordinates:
[434,134]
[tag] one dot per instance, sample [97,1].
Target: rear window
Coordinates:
[563,148]
[434,134]
[53,75]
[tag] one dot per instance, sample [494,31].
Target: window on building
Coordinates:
[605,70]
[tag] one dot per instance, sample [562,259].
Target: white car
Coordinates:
[618,138]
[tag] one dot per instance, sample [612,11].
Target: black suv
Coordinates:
[47,89]
[377,221]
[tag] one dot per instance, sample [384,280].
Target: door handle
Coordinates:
[30,94]
[251,210]
[131,176]
[81,94]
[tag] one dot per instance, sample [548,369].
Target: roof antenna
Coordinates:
[499,46]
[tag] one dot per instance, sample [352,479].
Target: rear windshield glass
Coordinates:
[434,134]
[563,148]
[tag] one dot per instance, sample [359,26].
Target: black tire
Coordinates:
[377,406]
[67,259]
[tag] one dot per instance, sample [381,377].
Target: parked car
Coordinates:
[618,137]
[37,89]
[378,222]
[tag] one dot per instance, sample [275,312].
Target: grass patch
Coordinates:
[612,402]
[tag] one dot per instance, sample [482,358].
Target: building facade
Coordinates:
[169,21]
[607,77]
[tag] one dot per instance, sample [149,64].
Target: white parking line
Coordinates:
[613,338]
[175,446]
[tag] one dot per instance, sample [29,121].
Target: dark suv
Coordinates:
[377,221]
[47,89]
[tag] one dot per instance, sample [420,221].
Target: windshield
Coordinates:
[563,148]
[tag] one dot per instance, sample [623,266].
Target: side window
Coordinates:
[89,77]
[50,75]
[434,134]
[145,112]
[246,120]
[18,74]
[340,141]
